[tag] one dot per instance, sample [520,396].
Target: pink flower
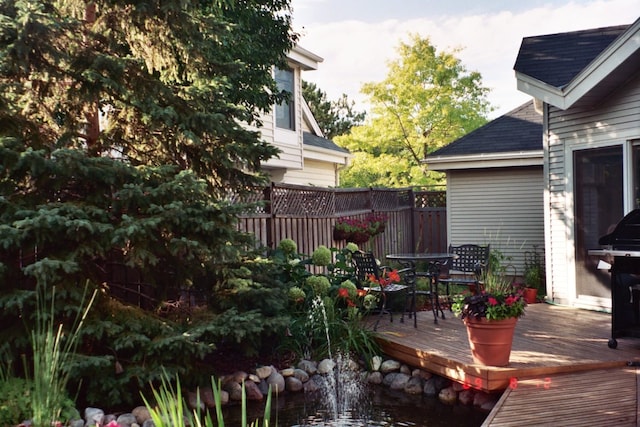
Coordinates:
[113,423]
[493,301]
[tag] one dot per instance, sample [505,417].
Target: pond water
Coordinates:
[380,407]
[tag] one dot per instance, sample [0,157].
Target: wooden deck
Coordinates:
[602,397]
[549,340]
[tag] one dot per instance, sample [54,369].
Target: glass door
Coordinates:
[599,206]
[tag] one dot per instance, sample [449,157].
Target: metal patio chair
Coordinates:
[467,268]
[365,264]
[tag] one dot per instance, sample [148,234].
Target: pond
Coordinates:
[380,407]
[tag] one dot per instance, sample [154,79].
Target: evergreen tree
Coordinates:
[335,118]
[124,124]
[124,128]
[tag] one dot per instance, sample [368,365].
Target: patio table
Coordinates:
[434,261]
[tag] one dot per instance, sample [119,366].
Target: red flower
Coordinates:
[394,277]
[510,300]
[493,301]
[361,292]
[387,278]
[343,292]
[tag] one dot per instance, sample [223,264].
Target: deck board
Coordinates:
[548,340]
[561,370]
[603,397]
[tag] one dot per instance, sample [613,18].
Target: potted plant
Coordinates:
[491,315]
[533,275]
[359,230]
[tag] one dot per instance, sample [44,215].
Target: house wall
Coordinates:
[315,173]
[502,207]
[613,122]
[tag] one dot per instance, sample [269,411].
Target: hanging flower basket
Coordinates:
[359,237]
[339,234]
[359,230]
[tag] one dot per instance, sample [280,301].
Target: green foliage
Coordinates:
[533,269]
[52,349]
[169,407]
[147,187]
[15,401]
[427,100]
[16,396]
[321,256]
[335,118]
[320,307]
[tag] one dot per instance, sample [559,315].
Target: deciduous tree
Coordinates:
[427,100]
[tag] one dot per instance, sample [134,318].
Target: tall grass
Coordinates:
[170,409]
[52,352]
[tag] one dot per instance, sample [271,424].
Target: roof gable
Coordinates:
[578,68]
[557,58]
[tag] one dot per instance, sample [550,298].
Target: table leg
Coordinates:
[434,271]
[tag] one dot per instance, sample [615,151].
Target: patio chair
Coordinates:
[466,269]
[365,264]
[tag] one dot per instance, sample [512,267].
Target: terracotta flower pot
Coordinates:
[530,295]
[491,340]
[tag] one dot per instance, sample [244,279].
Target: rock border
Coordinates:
[306,377]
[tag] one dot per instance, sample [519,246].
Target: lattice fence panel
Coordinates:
[352,200]
[386,199]
[433,199]
[253,197]
[302,201]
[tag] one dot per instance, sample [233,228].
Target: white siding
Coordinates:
[613,122]
[316,173]
[501,207]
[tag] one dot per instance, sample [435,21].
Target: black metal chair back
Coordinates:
[472,259]
[365,264]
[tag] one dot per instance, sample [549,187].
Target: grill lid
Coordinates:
[626,235]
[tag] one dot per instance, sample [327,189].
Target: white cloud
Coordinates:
[356,52]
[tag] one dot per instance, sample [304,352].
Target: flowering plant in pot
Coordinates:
[533,275]
[359,230]
[490,316]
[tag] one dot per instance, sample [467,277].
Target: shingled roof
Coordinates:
[516,131]
[557,58]
[316,141]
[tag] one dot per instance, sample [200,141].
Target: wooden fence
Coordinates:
[416,220]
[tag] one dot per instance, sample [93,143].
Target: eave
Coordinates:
[485,161]
[318,153]
[303,58]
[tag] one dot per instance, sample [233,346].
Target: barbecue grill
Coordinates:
[623,245]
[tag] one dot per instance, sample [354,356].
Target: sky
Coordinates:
[357,38]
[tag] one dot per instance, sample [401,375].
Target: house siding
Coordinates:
[502,207]
[315,173]
[613,122]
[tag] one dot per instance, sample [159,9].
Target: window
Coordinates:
[285,111]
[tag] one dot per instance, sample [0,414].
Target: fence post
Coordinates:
[268,208]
